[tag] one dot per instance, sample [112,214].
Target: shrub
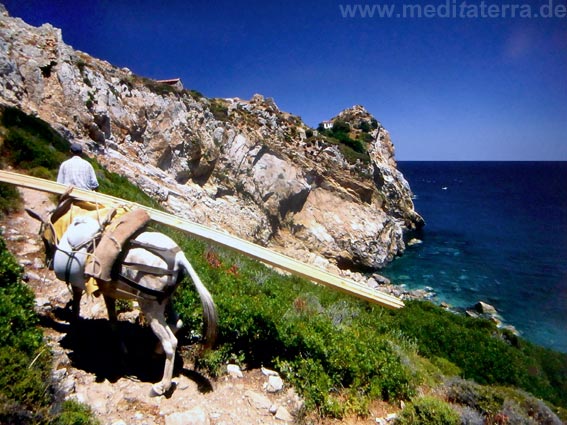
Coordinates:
[195,94]
[161,89]
[28,151]
[74,413]
[365,127]
[492,403]
[45,134]
[340,127]
[470,416]
[43,173]
[311,335]
[428,410]
[477,348]
[10,199]
[471,394]
[219,109]
[24,360]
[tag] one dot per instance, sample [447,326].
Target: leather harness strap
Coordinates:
[166,254]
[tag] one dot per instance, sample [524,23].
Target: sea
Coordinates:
[495,232]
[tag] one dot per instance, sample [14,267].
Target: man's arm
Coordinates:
[93,184]
[61,174]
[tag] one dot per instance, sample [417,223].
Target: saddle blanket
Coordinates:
[117,225]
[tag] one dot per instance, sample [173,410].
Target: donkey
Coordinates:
[142,273]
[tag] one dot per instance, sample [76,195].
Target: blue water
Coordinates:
[496,232]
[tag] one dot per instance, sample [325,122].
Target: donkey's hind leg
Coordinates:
[173,321]
[155,314]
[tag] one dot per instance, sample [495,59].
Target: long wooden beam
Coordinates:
[217,237]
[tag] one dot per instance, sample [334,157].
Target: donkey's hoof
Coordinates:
[177,326]
[157,390]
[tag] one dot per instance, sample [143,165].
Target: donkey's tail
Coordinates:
[210,315]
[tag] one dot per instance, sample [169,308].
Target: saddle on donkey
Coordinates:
[118,227]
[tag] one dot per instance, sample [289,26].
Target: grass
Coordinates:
[340,353]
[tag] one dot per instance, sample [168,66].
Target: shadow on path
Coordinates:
[113,352]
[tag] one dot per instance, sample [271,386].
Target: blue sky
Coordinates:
[492,87]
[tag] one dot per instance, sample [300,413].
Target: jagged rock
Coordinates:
[414,241]
[381,280]
[257,400]
[41,302]
[269,372]
[282,414]
[274,384]
[242,166]
[196,416]
[484,308]
[234,371]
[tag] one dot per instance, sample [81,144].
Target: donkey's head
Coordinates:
[47,233]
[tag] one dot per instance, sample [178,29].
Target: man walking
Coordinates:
[76,171]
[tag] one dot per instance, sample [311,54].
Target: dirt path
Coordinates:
[89,367]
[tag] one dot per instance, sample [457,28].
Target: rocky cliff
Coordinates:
[331,198]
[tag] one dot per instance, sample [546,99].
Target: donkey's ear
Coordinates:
[34,215]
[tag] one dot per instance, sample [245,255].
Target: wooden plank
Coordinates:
[208,234]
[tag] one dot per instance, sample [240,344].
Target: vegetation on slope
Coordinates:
[26,395]
[353,142]
[340,353]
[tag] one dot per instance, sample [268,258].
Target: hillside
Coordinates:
[243,166]
[346,358]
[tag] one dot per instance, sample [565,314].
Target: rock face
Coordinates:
[242,166]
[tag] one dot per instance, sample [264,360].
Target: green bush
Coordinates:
[74,413]
[10,199]
[352,149]
[468,393]
[43,173]
[24,359]
[483,352]
[428,410]
[219,109]
[30,142]
[311,335]
[27,150]
[493,402]
[17,317]
[45,134]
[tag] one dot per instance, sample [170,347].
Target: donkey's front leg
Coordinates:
[76,304]
[113,319]
[110,308]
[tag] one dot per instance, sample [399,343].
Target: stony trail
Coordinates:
[89,366]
